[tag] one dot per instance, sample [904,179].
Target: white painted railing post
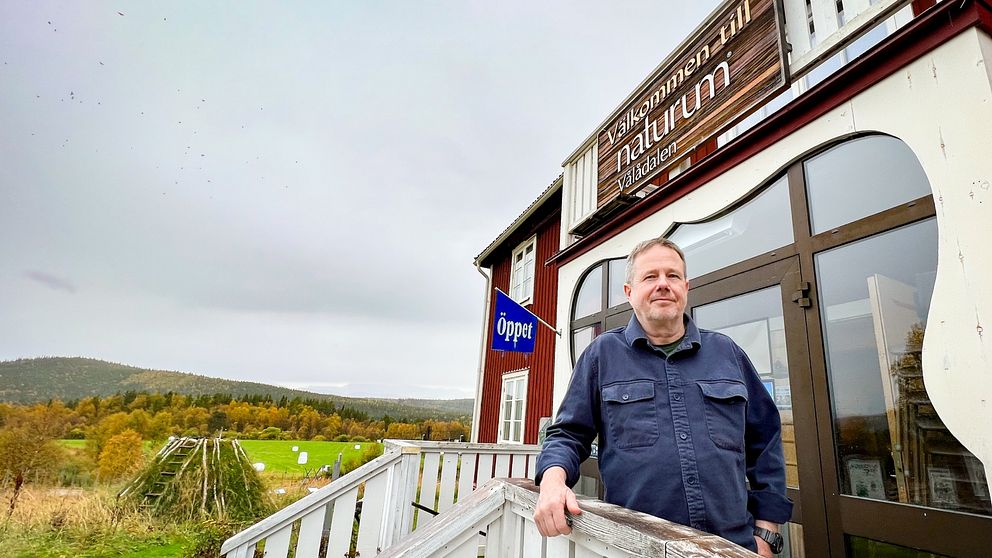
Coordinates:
[403,493]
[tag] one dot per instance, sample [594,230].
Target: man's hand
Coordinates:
[555,498]
[765,549]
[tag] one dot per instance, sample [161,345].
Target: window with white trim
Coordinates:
[522,272]
[513,405]
[579,198]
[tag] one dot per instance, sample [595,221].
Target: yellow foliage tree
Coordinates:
[121,456]
[403,431]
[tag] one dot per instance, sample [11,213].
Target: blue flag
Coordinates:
[514,327]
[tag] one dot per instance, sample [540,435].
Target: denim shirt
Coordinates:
[677,435]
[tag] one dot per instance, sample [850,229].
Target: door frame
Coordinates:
[784,271]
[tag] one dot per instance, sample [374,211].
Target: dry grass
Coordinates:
[56,508]
[51,521]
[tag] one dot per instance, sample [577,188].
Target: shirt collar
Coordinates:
[634,332]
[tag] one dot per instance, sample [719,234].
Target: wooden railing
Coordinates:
[435,475]
[503,509]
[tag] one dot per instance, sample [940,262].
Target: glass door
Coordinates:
[762,310]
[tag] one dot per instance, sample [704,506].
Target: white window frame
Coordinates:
[509,380]
[579,194]
[520,273]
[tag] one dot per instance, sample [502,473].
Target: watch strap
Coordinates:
[773,539]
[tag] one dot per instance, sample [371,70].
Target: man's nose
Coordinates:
[661,284]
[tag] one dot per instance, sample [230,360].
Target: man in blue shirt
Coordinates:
[681,415]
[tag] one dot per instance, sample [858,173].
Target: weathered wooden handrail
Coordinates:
[431,474]
[277,528]
[504,508]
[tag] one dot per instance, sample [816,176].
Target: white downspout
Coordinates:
[477,408]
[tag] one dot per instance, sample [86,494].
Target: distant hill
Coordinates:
[40,379]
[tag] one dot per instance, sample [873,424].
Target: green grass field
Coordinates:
[279,457]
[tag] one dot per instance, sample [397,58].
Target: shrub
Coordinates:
[208,539]
[77,471]
[342,438]
[123,454]
[270,433]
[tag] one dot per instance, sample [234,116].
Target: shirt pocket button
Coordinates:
[625,396]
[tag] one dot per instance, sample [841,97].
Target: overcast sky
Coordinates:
[290,193]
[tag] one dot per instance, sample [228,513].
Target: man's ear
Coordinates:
[626,291]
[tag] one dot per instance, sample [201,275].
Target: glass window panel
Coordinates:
[516,431]
[792,535]
[755,322]
[867,41]
[519,388]
[860,178]
[582,337]
[506,430]
[518,409]
[824,69]
[618,276]
[760,225]
[891,444]
[858,547]
[590,297]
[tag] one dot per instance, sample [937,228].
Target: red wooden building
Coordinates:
[514,389]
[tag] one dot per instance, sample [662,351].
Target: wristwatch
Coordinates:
[773,539]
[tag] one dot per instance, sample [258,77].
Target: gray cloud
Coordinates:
[50,281]
[289,191]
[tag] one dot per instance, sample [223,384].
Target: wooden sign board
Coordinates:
[728,68]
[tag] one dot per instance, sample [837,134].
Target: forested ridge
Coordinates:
[28,381]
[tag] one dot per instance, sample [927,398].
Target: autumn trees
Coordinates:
[158,416]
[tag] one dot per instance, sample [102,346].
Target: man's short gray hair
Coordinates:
[647,245]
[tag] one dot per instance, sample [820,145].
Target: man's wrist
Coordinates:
[554,473]
[764,524]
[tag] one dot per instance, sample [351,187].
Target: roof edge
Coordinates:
[550,191]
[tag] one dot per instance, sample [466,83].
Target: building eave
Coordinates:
[532,209]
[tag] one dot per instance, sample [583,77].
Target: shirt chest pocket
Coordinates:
[631,413]
[725,405]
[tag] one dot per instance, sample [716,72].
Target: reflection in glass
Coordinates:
[755,322]
[891,444]
[758,226]
[878,171]
[792,535]
[590,297]
[858,547]
[618,272]
[581,338]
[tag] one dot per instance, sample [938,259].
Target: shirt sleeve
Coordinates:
[764,461]
[569,439]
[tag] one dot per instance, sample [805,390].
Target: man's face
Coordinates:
[659,288]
